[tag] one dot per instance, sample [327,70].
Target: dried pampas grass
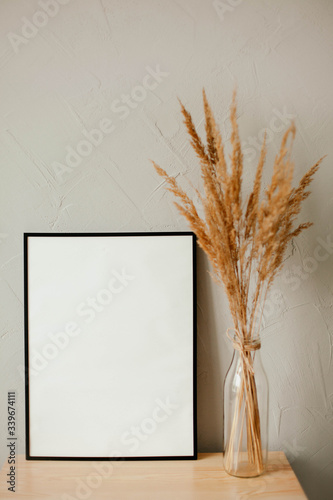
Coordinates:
[245,240]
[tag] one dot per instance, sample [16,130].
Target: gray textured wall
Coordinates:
[118,66]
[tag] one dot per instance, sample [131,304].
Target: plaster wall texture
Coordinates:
[116,68]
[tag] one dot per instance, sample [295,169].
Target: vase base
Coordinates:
[245,470]
[244,475]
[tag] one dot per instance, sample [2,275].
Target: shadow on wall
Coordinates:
[311,477]
[211,367]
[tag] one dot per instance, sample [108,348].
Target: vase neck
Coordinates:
[243,344]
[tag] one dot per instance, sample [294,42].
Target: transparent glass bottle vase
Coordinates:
[246,412]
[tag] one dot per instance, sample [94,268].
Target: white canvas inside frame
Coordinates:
[110,337]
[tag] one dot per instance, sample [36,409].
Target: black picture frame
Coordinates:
[51,275]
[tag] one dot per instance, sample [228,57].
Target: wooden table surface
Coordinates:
[199,479]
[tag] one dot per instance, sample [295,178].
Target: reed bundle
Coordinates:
[244,239]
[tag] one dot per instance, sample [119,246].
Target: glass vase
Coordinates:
[246,412]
